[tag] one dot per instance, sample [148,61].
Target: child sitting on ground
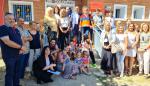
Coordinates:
[85,63]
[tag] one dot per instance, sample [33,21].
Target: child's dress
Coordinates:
[85,61]
[70,69]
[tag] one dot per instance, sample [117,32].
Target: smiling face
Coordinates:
[120,29]
[131,27]
[77,9]
[9,20]
[53,43]
[33,26]
[145,28]
[51,12]
[85,10]
[56,9]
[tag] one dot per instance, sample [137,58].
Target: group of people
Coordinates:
[62,43]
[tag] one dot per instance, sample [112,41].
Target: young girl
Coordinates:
[69,66]
[60,61]
[78,61]
[87,45]
[85,63]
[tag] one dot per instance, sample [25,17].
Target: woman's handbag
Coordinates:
[115,47]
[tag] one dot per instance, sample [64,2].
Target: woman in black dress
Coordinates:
[42,65]
[107,58]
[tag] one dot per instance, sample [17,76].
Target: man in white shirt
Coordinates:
[75,22]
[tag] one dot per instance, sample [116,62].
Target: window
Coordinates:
[138,12]
[21,9]
[120,11]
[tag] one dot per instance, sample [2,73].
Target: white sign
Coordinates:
[61,3]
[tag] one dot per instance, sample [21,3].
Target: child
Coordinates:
[69,67]
[86,23]
[85,63]
[78,61]
[87,46]
[60,61]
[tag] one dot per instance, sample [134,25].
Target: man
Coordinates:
[75,23]
[11,45]
[26,37]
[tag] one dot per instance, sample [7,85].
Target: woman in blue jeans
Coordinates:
[120,39]
[35,44]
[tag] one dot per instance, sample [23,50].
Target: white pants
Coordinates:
[120,63]
[140,59]
[146,56]
[34,54]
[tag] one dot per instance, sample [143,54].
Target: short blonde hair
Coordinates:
[84,7]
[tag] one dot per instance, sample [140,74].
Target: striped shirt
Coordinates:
[85,20]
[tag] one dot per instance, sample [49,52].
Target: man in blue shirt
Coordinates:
[11,46]
[26,38]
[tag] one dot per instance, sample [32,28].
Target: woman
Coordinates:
[56,12]
[109,17]
[44,38]
[35,44]
[53,47]
[143,50]
[132,41]
[42,65]
[122,43]
[107,39]
[50,20]
[64,28]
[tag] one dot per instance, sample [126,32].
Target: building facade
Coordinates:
[136,10]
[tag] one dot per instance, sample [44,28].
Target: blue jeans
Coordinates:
[120,62]
[12,71]
[86,31]
[23,60]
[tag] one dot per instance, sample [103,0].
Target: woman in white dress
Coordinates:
[132,41]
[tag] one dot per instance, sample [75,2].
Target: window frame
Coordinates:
[11,3]
[120,5]
[132,15]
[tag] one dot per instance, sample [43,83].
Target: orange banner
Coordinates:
[2,12]
[96,5]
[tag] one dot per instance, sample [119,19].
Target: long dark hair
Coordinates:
[43,52]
